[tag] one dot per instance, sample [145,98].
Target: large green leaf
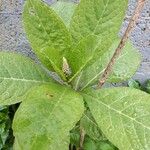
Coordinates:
[47,34]
[17,75]
[123,114]
[44,119]
[125,67]
[98,17]
[65,10]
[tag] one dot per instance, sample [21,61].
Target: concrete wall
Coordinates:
[12,36]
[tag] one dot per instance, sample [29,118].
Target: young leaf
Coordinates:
[81,56]
[124,69]
[44,119]
[65,10]
[123,114]
[17,75]
[47,34]
[98,17]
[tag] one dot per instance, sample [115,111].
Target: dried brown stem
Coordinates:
[82,136]
[121,45]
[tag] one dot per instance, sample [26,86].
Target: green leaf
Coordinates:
[123,115]
[91,128]
[4,126]
[125,67]
[17,75]
[98,17]
[127,64]
[44,119]
[147,87]
[89,144]
[105,145]
[10,138]
[47,34]
[81,56]
[65,10]
[134,84]
[75,136]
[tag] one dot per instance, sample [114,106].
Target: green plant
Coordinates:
[136,84]
[6,133]
[4,126]
[77,42]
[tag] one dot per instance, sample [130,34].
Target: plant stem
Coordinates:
[82,135]
[121,45]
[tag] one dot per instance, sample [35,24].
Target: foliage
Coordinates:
[91,128]
[89,144]
[147,87]
[134,84]
[76,42]
[121,112]
[6,134]
[17,75]
[48,118]
[4,126]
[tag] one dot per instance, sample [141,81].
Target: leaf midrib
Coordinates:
[96,76]
[23,80]
[86,62]
[57,103]
[82,67]
[90,120]
[101,17]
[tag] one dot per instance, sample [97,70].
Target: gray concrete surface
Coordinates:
[12,36]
